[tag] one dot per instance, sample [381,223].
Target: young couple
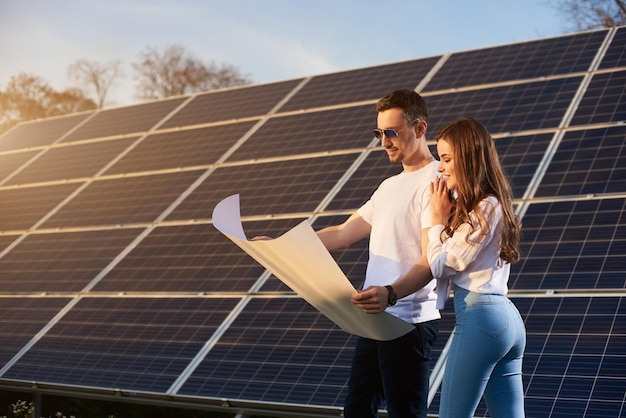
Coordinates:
[451,220]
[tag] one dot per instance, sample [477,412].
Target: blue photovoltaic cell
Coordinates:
[587,162]
[123,201]
[22,208]
[604,100]
[126,343]
[124,120]
[359,85]
[573,365]
[572,245]
[68,162]
[11,162]
[188,148]
[545,57]
[615,56]
[189,258]
[278,350]
[533,105]
[275,187]
[39,133]
[61,262]
[324,131]
[364,181]
[520,157]
[231,104]
[21,319]
[6,240]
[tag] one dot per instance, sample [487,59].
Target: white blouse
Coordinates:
[469,259]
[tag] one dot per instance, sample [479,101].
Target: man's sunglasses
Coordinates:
[390,133]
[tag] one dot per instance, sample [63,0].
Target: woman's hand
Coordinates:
[440,205]
[372,300]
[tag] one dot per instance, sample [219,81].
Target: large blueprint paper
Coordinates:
[300,260]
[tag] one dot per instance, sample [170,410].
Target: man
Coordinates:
[396,218]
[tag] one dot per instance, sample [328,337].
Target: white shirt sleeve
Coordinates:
[463,247]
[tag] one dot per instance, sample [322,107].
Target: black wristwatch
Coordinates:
[393,297]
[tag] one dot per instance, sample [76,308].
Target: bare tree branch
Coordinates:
[584,15]
[173,72]
[99,76]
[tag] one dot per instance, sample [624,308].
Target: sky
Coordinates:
[266,40]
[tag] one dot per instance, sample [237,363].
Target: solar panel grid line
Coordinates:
[429,76]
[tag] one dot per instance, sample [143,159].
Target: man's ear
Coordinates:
[420,128]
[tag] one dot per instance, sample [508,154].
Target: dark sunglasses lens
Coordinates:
[390,133]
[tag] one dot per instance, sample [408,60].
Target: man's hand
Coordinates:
[372,300]
[260,238]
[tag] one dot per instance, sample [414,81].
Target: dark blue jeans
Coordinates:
[395,371]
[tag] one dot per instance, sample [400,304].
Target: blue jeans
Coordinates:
[396,371]
[485,358]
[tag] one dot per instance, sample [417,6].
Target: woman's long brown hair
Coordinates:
[479,174]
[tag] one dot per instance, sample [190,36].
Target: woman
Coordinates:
[473,241]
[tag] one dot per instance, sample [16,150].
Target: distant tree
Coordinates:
[97,76]
[592,14]
[174,72]
[28,97]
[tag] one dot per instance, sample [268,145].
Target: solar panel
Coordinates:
[22,208]
[573,245]
[359,85]
[615,55]
[124,120]
[114,279]
[78,161]
[272,187]
[40,133]
[9,163]
[315,132]
[173,150]
[138,343]
[122,200]
[62,262]
[528,60]
[189,258]
[603,100]
[587,162]
[238,103]
[22,318]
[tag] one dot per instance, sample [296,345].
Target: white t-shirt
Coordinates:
[398,211]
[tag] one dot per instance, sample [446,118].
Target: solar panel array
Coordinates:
[114,280]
